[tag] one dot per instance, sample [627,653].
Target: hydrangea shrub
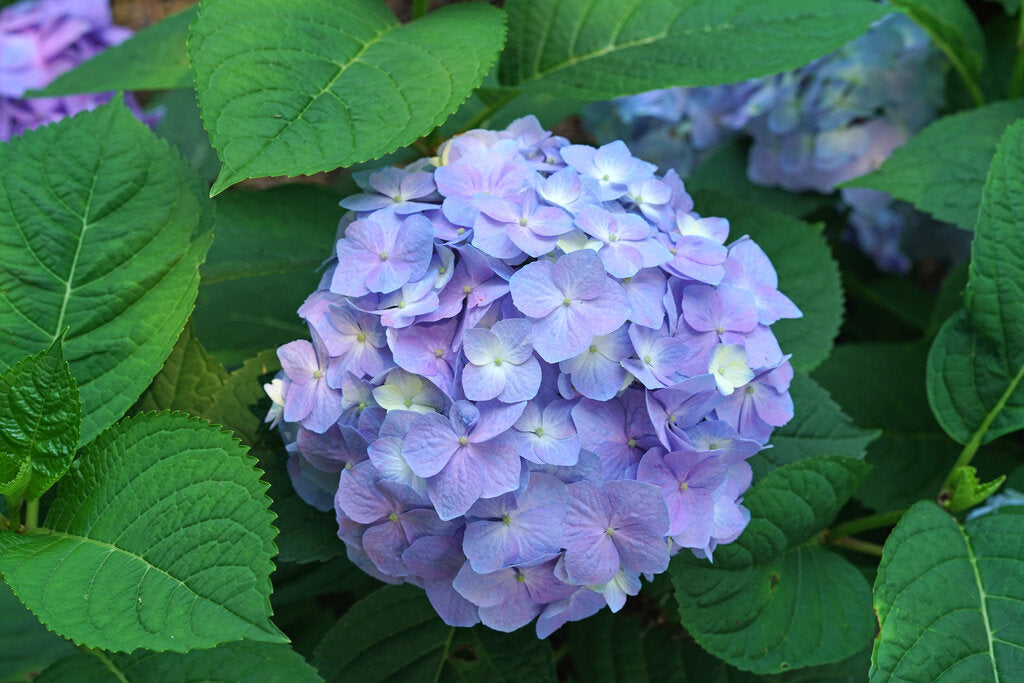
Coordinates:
[533,378]
[533,364]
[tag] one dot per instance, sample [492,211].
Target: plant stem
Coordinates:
[1017,79]
[107,662]
[857,545]
[855,526]
[419,8]
[967,454]
[32,514]
[4,523]
[488,111]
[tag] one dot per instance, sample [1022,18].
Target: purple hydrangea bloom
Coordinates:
[499,409]
[569,302]
[39,41]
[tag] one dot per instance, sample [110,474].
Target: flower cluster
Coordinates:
[811,129]
[534,373]
[40,40]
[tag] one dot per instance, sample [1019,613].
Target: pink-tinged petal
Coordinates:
[384,543]
[501,466]
[621,259]
[561,335]
[492,237]
[455,488]
[513,613]
[359,498]
[299,402]
[579,605]
[328,405]
[429,445]
[298,360]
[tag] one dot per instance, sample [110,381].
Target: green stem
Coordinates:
[967,454]
[488,111]
[858,546]
[32,514]
[419,8]
[107,662]
[4,523]
[855,526]
[1017,79]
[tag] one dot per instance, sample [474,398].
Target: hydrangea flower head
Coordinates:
[40,40]
[549,385]
[811,129]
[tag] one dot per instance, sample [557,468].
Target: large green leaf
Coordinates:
[27,646]
[953,27]
[807,273]
[949,597]
[913,455]
[310,86]
[597,49]
[240,405]
[391,635]
[102,229]
[283,229]
[772,601]
[155,58]
[240,661]
[247,258]
[977,360]
[942,169]
[159,538]
[818,427]
[40,418]
[395,635]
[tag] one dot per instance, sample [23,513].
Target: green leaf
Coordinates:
[977,360]
[604,49]
[240,661]
[967,491]
[953,27]
[283,229]
[725,170]
[181,126]
[188,380]
[606,648]
[155,58]
[40,418]
[360,86]
[391,635]
[942,169]
[102,229]
[483,654]
[247,258]
[307,534]
[743,608]
[818,427]
[948,599]
[28,647]
[807,273]
[159,538]
[913,455]
[15,477]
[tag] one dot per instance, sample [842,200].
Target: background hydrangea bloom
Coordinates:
[811,129]
[524,414]
[40,40]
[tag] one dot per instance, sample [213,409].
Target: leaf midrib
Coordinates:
[78,250]
[982,598]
